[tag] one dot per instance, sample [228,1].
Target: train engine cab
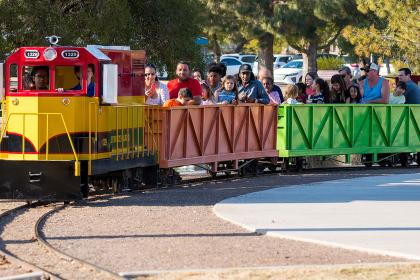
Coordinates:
[60,120]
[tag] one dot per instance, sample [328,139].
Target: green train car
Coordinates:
[377,131]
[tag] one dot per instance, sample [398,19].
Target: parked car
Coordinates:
[383,70]
[290,73]
[244,58]
[232,65]
[354,66]
[162,73]
[278,61]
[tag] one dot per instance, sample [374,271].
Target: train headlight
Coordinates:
[50,54]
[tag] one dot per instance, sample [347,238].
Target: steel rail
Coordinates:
[46,274]
[41,238]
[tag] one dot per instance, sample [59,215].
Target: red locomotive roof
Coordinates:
[63,55]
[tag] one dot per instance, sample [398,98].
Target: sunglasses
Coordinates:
[149,74]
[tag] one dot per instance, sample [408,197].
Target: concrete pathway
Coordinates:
[376,214]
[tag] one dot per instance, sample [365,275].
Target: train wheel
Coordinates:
[250,169]
[213,174]
[404,159]
[383,163]
[284,165]
[367,160]
[116,186]
[84,189]
[300,164]
[151,175]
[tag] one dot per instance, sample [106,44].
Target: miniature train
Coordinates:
[74,117]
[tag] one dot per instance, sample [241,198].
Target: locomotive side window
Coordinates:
[35,78]
[68,77]
[13,80]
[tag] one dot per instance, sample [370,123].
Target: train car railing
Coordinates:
[345,129]
[47,116]
[134,128]
[217,133]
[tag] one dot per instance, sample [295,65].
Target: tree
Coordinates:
[222,27]
[392,31]
[166,29]
[77,22]
[309,26]
[245,20]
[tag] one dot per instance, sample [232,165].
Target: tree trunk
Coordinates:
[309,58]
[388,68]
[265,52]
[216,47]
[240,45]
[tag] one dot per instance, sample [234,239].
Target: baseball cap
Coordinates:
[370,66]
[245,68]
[345,69]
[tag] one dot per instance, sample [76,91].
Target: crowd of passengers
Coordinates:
[189,88]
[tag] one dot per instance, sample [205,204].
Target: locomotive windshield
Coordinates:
[73,78]
[36,78]
[68,77]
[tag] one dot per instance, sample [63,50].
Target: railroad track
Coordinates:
[27,270]
[203,178]
[35,253]
[52,263]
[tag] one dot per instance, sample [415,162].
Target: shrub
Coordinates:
[329,63]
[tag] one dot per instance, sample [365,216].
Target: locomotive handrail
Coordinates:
[128,122]
[77,163]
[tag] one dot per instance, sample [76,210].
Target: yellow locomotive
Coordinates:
[72,116]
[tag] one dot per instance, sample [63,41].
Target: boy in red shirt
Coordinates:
[184,96]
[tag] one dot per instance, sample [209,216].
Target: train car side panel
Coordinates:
[338,129]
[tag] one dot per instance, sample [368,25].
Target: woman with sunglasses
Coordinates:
[155,91]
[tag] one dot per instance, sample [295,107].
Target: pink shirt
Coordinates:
[274,97]
[309,91]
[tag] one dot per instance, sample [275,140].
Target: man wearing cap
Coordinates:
[412,93]
[184,81]
[345,72]
[374,89]
[250,90]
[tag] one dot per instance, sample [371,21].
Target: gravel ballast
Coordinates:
[175,228]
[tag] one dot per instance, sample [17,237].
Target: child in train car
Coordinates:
[207,97]
[275,96]
[354,95]
[321,90]
[339,92]
[290,95]
[301,92]
[397,97]
[90,76]
[184,96]
[228,94]
[309,81]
